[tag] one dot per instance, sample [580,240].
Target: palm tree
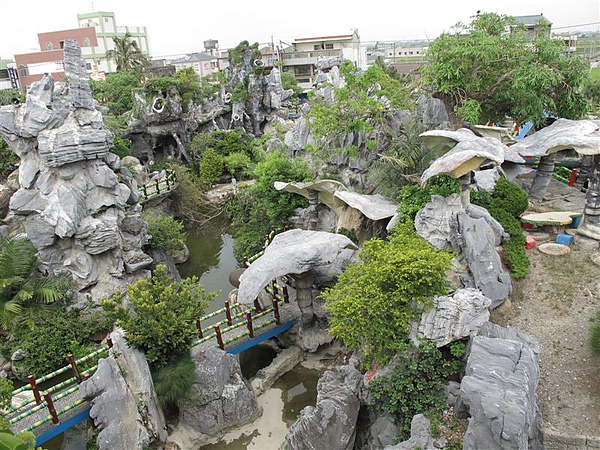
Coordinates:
[23,289]
[127,54]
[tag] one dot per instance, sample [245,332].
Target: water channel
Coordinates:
[212,260]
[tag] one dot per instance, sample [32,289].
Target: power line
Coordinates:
[573,26]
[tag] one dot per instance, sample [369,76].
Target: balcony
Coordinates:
[309,57]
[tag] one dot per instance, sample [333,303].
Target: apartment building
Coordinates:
[301,56]
[203,64]
[94,36]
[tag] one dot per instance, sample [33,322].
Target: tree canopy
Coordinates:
[127,54]
[492,68]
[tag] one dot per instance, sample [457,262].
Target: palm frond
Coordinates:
[8,312]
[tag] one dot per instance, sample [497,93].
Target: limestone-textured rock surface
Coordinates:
[474,234]
[331,423]
[454,317]
[420,436]
[219,397]
[74,194]
[561,135]
[124,405]
[291,252]
[499,391]
[465,156]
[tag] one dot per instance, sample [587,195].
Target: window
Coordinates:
[88,66]
[317,47]
[62,44]
[50,46]
[328,46]
[106,19]
[87,42]
[22,70]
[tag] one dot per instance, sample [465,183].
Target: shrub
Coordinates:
[374,300]
[167,233]
[174,381]
[210,168]
[413,198]
[49,342]
[237,164]
[510,197]
[8,160]
[416,385]
[121,147]
[161,320]
[595,335]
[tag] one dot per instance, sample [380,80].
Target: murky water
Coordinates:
[211,259]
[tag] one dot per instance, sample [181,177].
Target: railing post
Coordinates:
[34,388]
[257,307]
[249,324]
[145,191]
[109,341]
[74,368]
[157,186]
[219,338]
[286,297]
[199,328]
[227,312]
[51,407]
[245,261]
[276,312]
[274,288]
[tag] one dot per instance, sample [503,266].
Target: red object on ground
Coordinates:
[526,226]
[573,177]
[529,243]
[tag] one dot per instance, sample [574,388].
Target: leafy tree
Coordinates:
[211,167]
[127,54]
[23,289]
[167,233]
[254,210]
[289,81]
[492,68]
[24,441]
[374,300]
[161,320]
[116,91]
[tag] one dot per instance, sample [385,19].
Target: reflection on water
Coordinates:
[298,389]
[211,258]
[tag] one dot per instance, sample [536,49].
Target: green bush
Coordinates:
[8,160]
[413,198]
[211,167]
[167,233]
[373,301]
[238,164]
[595,335]
[161,320]
[173,382]
[121,147]
[49,342]
[510,197]
[416,385]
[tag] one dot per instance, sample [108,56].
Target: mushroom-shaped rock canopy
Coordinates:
[444,140]
[374,207]
[291,252]
[325,188]
[563,134]
[466,156]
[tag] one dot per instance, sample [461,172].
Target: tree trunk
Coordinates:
[455,121]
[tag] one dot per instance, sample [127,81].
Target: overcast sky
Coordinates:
[181,26]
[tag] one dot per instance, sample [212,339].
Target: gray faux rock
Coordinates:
[124,405]
[499,392]
[454,317]
[219,397]
[331,424]
[420,436]
[291,252]
[74,194]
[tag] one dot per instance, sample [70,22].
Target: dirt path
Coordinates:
[555,303]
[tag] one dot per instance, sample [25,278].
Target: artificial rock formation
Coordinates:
[124,405]
[454,317]
[219,399]
[472,233]
[498,391]
[331,423]
[80,206]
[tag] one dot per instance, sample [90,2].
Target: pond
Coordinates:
[211,259]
